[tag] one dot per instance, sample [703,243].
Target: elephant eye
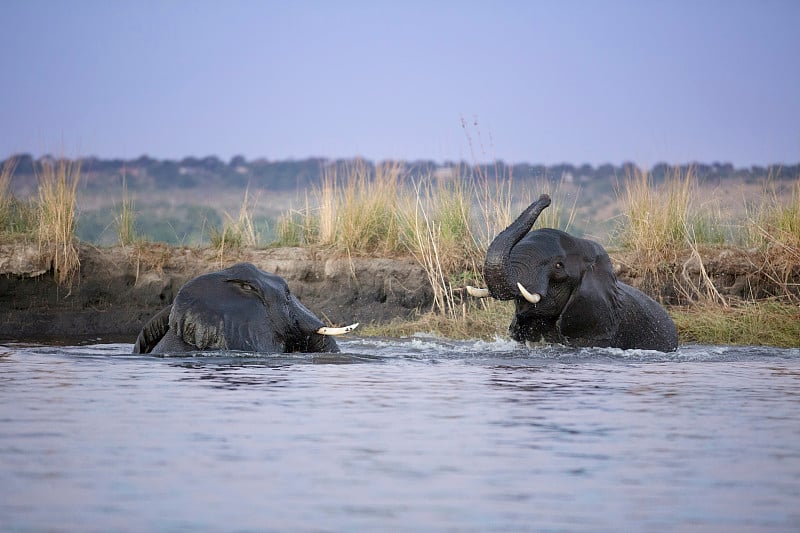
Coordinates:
[244,285]
[559,265]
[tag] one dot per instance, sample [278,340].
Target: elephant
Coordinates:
[239,308]
[565,291]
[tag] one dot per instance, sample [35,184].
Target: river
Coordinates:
[416,434]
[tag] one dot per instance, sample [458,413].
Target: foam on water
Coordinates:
[425,347]
[429,347]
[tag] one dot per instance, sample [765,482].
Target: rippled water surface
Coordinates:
[415,435]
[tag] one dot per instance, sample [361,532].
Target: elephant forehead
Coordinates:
[248,271]
[254,275]
[537,246]
[213,291]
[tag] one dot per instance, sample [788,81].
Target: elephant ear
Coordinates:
[153,331]
[592,311]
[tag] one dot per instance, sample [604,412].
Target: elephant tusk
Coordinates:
[476,292]
[337,331]
[532,298]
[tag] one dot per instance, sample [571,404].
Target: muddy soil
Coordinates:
[118,289]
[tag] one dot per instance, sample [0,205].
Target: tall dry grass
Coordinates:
[5,191]
[436,221]
[775,217]
[773,225]
[125,219]
[655,218]
[358,212]
[236,232]
[660,220]
[670,227]
[58,182]
[353,214]
[662,223]
[445,223]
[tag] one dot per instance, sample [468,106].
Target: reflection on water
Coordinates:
[411,434]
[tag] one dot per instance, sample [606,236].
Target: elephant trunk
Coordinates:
[496,268]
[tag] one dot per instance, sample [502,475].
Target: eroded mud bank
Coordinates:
[118,289]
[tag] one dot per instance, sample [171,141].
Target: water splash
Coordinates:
[428,348]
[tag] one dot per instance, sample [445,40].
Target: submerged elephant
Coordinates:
[565,290]
[238,308]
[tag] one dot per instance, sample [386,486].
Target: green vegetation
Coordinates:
[445,220]
[17,217]
[769,323]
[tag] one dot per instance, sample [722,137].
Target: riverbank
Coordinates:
[117,289]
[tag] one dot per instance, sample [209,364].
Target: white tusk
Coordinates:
[477,293]
[532,298]
[337,331]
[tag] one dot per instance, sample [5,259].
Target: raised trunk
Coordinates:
[496,267]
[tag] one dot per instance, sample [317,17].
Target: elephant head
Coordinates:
[238,308]
[565,290]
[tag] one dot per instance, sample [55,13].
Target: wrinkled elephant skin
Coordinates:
[239,308]
[565,291]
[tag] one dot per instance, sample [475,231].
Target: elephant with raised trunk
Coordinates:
[565,290]
[239,308]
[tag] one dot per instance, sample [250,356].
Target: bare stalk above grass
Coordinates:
[493,198]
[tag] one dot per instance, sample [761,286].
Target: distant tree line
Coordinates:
[146,172]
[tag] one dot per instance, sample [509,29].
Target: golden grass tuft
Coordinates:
[665,222]
[58,182]
[775,227]
[358,213]
[125,219]
[238,232]
[5,192]
[655,219]
[296,228]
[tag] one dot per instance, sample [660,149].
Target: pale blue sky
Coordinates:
[549,82]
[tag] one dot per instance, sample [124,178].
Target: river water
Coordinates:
[417,434]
